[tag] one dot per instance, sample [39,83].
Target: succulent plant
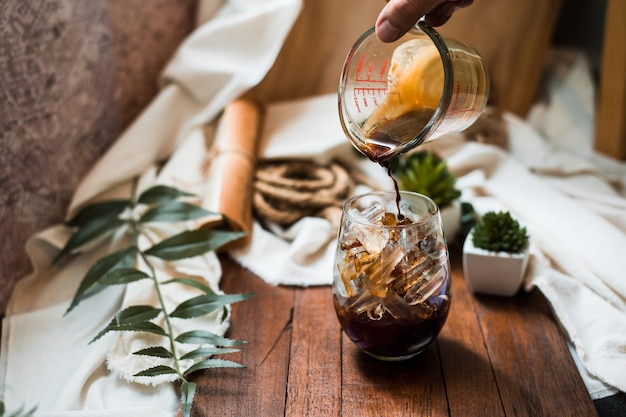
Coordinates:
[499,232]
[426,173]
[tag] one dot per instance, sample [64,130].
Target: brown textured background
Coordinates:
[73,75]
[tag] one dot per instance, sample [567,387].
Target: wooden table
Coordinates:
[494,357]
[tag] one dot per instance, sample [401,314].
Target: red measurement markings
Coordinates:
[363,95]
[463,99]
[373,81]
[370,75]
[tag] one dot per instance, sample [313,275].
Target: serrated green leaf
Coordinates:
[136,314]
[206,337]
[145,326]
[192,283]
[90,286]
[161,193]
[205,304]
[104,209]
[212,363]
[157,370]
[122,276]
[156,351]
[134,318]
[204,352]
[89,231]
[187,392]
[174,211]
[192,243]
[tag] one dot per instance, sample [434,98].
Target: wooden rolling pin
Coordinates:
[230,174]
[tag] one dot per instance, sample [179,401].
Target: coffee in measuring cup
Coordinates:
[394,96]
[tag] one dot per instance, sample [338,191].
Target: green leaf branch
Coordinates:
[159,204]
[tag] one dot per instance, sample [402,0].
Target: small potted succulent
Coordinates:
[426,173]
[495,254]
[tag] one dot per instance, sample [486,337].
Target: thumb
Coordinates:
[398,16]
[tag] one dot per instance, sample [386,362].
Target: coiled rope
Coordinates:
[287,190]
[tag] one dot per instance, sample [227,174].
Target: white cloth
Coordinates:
[46,361]
[578,260]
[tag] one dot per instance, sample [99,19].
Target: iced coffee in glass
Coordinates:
[391,283]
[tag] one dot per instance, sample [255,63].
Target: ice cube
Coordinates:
[376,312]
[431,286]
[376,307]
[378,269]
[373,240]
[373,213]
[364,303]
[369,215]
[410,271]
[423,310]
[429,245]
[396,307]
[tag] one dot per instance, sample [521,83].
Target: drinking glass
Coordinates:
[391,279]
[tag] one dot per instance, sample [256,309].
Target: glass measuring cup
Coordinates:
[394,96]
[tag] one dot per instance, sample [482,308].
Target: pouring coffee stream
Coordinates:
[395,96]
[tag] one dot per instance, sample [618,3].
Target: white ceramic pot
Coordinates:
[494,273]
[451,220]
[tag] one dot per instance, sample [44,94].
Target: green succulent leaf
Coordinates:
[87,232]
[206,337]
[499,232]
[187,392]
[105,209]
[174,211]
[192,243]
[90,284]
[212,363]
[205,304]
[156,371]
[136,319]
[203,352]
[426,173]
[155,351]
[160,194]
[191,283]
[468,217]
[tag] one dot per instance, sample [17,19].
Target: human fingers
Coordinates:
[398,16]
[442,13]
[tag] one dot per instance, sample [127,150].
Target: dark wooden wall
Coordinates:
[73,75]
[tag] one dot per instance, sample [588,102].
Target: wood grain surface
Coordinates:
[494,357]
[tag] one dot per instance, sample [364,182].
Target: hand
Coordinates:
[398,16]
